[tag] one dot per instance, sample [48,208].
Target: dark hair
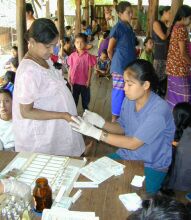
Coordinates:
[161,207]
[82,36]
[68,27]
[6,91]
[183,12]
[10,76]
[121,7]
[182,118]
[66,40]
[83,22]
[43,30]
[146,40]
[15,48]
[29,8]
[164,9]
[106,34]
[105,52]
[144,71]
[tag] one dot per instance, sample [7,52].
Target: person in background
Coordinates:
[42,103]
[161,207]
[103,65]
[160,36]
[147,53]
[104,44]
[121,51]
[6,133]
[179,61]
[114,12]
[69,34]
[80,70]
[145,128]
[29,15]
[96,28]
[13,62]
[8,81]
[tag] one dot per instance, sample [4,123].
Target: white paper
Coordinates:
[62,214]
[17,164]
[85,185]
[138,181]
[131,201]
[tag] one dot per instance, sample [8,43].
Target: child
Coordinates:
[121,52]
[147,53]
[13,62]
[69,33]
[103,65]
[6,134]
[104,44]
[80,70]
[145,128]
[179,177]
[8,81]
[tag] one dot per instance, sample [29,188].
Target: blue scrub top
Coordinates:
[124,52]
[153,125]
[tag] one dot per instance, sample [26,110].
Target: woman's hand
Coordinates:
[67,116]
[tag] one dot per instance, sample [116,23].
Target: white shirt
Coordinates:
[6,135]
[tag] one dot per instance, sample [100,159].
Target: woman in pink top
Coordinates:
[42,103]
[80,71]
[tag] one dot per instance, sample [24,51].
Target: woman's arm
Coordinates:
[113,127]
[29,112]
[121,141]
[158,30]
[111,46]
[183,51]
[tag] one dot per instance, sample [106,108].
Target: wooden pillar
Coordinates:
[21,28]
[92,10]
[175,5]
[87,11]
[139,9]
[78,17]
[60,6]
[47,9]
[152,15]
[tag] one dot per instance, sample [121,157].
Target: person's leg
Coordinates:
[85,93]
[76,93]
[153,179]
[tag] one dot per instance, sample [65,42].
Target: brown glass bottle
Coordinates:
[42,194]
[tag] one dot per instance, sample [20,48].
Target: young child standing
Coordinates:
[147,53]
[6,134]
[80,70]
[103,64]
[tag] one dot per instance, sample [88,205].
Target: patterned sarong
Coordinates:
[179,89]
[117,93]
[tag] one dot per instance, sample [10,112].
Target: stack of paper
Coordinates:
[102,169]
[138,181]
[62,214]
[131,201]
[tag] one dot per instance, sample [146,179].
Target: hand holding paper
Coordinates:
[94,119]
[85,128]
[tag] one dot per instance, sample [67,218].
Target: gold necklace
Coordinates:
[40,61]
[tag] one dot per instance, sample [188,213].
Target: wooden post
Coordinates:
[78,17]
[47,9]
[175,5]
[152,15]
[139,9]
[21,28]
[92,10]
[87,11]
[60,6]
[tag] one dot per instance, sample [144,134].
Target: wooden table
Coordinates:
[104,201]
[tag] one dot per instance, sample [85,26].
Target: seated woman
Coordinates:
[145,128]
[42,103]
[6,134]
